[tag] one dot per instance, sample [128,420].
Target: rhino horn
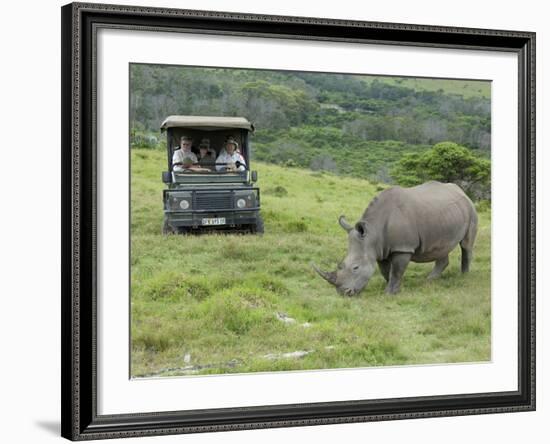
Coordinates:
[344,224]
[329,276]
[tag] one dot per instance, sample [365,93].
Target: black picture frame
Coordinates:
[80,420]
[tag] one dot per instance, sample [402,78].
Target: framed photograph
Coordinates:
[281,221]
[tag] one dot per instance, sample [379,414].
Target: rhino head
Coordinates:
[355,270]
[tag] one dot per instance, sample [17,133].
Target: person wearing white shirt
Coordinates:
[230,159]
[183,157]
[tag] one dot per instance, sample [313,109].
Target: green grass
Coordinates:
[210,303]
[464,88]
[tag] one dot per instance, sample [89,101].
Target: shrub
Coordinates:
[446,162]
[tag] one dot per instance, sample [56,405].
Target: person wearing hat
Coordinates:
[184,157]
[230,159]
[207,157]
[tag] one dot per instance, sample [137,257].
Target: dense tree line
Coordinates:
[157,92]
[371,110]
[349,124]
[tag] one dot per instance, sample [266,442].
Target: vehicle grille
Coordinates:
[205,201]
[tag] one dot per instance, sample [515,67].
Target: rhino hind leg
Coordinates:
[466,259]
[385,267]
[440,265]
[467,246]
[399,262]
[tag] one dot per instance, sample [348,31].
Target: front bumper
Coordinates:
[194,219]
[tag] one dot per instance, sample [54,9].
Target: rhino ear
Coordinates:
[361,228]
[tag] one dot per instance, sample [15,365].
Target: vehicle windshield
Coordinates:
[213,168]
[212,153]
[210,176]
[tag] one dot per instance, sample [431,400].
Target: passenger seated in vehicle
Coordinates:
[230,159]
[207,156]
[182,158]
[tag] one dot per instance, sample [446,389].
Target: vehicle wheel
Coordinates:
[167,228]
[258,227]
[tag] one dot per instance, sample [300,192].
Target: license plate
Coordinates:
[213,221]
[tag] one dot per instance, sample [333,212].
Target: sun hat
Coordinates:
[231,140]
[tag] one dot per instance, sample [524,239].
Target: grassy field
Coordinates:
[243,303]
[466,89]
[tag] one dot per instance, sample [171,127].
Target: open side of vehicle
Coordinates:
[215,197]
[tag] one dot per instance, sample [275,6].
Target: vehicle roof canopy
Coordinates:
[206,123]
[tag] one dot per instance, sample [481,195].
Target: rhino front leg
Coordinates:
[399,262]
[440,265]
[385,267]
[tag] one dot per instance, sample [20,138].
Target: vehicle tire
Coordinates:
[167,228]
[258,227]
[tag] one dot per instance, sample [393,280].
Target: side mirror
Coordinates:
[254,176]
[166,177]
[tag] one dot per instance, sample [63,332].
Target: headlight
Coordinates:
[245,199]
[179,201]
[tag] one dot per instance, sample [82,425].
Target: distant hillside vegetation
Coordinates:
[347,124]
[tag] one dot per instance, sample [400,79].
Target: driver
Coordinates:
[230,158]
[183,157]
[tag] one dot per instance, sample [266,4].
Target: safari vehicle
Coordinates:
[210,199]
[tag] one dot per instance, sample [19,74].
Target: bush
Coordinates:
[140,139]
[323,162]
[446,162]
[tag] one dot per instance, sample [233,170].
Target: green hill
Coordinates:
[244,303]
[360,113]
[466,89]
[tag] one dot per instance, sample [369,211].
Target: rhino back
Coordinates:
[428,220]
